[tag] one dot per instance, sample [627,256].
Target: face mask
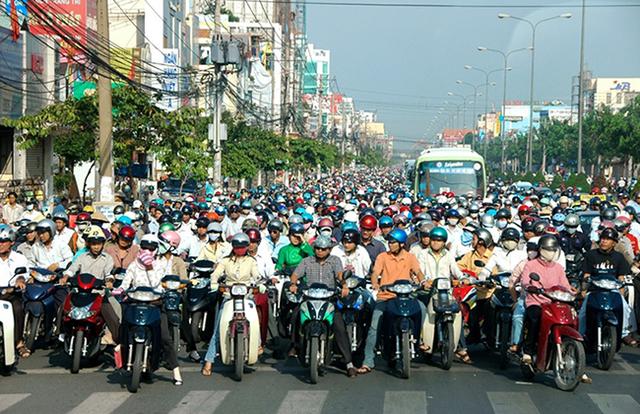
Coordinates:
[30,207]
[571,230]
[145,257]
[325,232]
[532,254]
[547,255]
[466,238]
[501,224]
[213,237]
[240,251]
[510,245]
[453,222]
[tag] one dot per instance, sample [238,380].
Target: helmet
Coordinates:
[474,208]
[608,214]
[127,233]
[249,223]
[254,235]
[322,242]
[539,226]
[88,209]
[275,224]
[487,221]
[510,234]
[94,234]
[368,222]
[400,219]
[176,218]
[83,217]
[149,242]
[165,218]
[609,233]
[202,222]
[325,222]
[524,209]
[214,227]
[60,215]
[171,237]
[572,220]
[484,237]
[548,242]
[296,228]
[7,233]
[351,236]
[558,219]
[594,202]
[118,210]
[166,227]
[386,221]
[621,223]
[438,233]
[46,225]
[452,213]
[240,240]
[503,213]
[398,235]
[246,205]
[187,210]
[435,214]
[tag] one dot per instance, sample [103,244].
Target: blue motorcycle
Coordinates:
[39,306]
[401,326]
[356,308]
[604,320]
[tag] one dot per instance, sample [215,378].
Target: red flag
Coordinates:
[15,25]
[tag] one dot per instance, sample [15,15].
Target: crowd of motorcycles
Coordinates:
[191,305]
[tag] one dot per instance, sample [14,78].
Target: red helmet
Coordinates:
[416,209]
[368,222]
[387,212]
[83,217]
[524,209]
[127,233]
[254,235]
[325,222]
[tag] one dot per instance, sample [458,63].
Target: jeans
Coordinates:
[213,344]
[516,322]
[372,336]
[628,317]
[532,317]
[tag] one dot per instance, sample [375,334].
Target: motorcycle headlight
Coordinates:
[443,284]
[606,284]
[201,283]
[144,295]
[43,278]
[561,296]
[402,289]
[570,257]
[319,293]
[504,281]
[79,313]
[352,282]
[239,290]
[293,298]
[172,285]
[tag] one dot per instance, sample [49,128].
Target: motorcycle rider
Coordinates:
[395,264]
[232,223]
[423,229]
[353,256]
[82,222]
[31,237]
[368,226]
[61,219]
[167,261]
[266,270]
[11,211]
[572,239]
[191,245]
[606,263]
[124,251]
[506,255]
[292,254]
[217,247]
[551,275]
[10,261]
[325,268]
[271,244]
[32,212]
[238,267]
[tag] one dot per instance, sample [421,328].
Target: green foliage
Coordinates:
[61,182]
[557,181]
[371,157]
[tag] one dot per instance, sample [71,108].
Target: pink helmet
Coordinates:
[171,237]
[325,222]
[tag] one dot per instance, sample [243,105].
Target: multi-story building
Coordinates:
[614,93]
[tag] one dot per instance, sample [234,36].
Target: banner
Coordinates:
[165,68]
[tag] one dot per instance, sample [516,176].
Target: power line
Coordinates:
[457,5]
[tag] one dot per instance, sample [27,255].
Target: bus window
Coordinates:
[460,177]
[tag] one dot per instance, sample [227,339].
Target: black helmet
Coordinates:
[539,226]
[351,236]
[510,234]
[202,222]
[165,218]
[610,233]
[548,242]
[118,210]
[608,214]
[187,210]
[503,213]
[176,217]
[484,237]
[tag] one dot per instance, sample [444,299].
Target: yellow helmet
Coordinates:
[88,209]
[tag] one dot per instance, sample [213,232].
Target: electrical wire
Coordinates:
[457,5]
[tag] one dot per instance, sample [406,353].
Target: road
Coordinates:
[42,384]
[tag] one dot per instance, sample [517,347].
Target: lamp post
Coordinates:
[505,56]
[534,27]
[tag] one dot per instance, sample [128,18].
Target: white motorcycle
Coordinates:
[7,340]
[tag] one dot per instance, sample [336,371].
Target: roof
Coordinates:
[450,153]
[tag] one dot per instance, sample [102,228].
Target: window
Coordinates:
[608,98]
[618,98]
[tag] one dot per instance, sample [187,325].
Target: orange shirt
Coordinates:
[391,267]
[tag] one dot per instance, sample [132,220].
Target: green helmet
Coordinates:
[438,233]
[166,227]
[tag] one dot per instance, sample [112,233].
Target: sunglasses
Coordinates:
[322,249]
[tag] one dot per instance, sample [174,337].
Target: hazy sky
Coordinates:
[380,52]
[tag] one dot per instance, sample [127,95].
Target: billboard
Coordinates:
[165,77]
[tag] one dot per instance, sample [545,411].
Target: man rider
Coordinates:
[368,226]
[274,241]
[354,257]
[292,254]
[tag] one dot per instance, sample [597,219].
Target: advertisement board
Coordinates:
[165,66]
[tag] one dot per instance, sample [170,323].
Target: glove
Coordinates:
[262,288]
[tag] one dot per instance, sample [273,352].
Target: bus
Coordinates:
[452,169]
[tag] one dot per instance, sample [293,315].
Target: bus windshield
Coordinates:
[460,177]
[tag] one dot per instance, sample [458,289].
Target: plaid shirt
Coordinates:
[313,271]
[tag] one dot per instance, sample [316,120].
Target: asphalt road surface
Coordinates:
[43,384]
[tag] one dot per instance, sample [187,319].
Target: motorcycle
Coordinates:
[141,336]
[574,272]
[502,304]
[200,301]
[7,341]
[400,322]
[443,322]
[356,308]
[289,302]
[82,323]
[315,332]
[604,320]
[560,345]
[171,304]
[39,306]
[239,329]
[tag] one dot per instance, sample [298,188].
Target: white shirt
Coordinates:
[64,235]
[138,276]
[231,228]
[505,261]
[266,267]
[192,245]
[57,252]
[359,260]
[442,266]
[9,266]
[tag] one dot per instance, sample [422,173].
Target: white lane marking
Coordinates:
[101,403]
[400,402]
[512,403]
[624,364]
[309,402]
[615,403]
[8,400]
[200,402]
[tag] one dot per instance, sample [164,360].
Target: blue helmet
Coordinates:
[296,228]
[385,221]
[348,225]
[393,197]
[398,235]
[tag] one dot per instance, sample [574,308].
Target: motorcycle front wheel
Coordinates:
[567,377]
[505,336]
[314,359]
[32,324]
[238,354]
[605,356]
[77,352]
[406,355]
[447,346]
[136,370]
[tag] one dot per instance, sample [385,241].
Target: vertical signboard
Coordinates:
[165,76]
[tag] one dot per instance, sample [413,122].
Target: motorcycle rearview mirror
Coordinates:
[20,270]
[535,276]
[347,274]
[478,263]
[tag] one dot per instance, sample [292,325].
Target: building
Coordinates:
[455,136]
[614,93]
[516,118]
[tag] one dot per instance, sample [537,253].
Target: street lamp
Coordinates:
[505,56]
[534,27]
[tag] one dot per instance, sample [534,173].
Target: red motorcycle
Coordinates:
[560,345]
[83,324]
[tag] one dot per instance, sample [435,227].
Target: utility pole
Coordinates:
[104,178]
[581,90]
[217,90]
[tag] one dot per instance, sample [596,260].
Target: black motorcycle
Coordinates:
[502,305]
[356,308]
[172,306]
[200,302]
[604,320]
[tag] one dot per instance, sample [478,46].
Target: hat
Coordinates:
[98,216]
[137,204]
[564,199]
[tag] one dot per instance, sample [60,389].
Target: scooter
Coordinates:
[171,304]
[574,272]
[502,304]
[239,329]
[200,301]
[560,345]
[443,322]
[7,340]
[141,339]
[604,320]
[289,302]
[401,324]
[39,306]
[316,333]
[356,308]
[83,324]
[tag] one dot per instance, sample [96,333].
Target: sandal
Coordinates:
[24,352]
[628,340]
[206,371]
[424,347]
[364,370]
[463,356]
